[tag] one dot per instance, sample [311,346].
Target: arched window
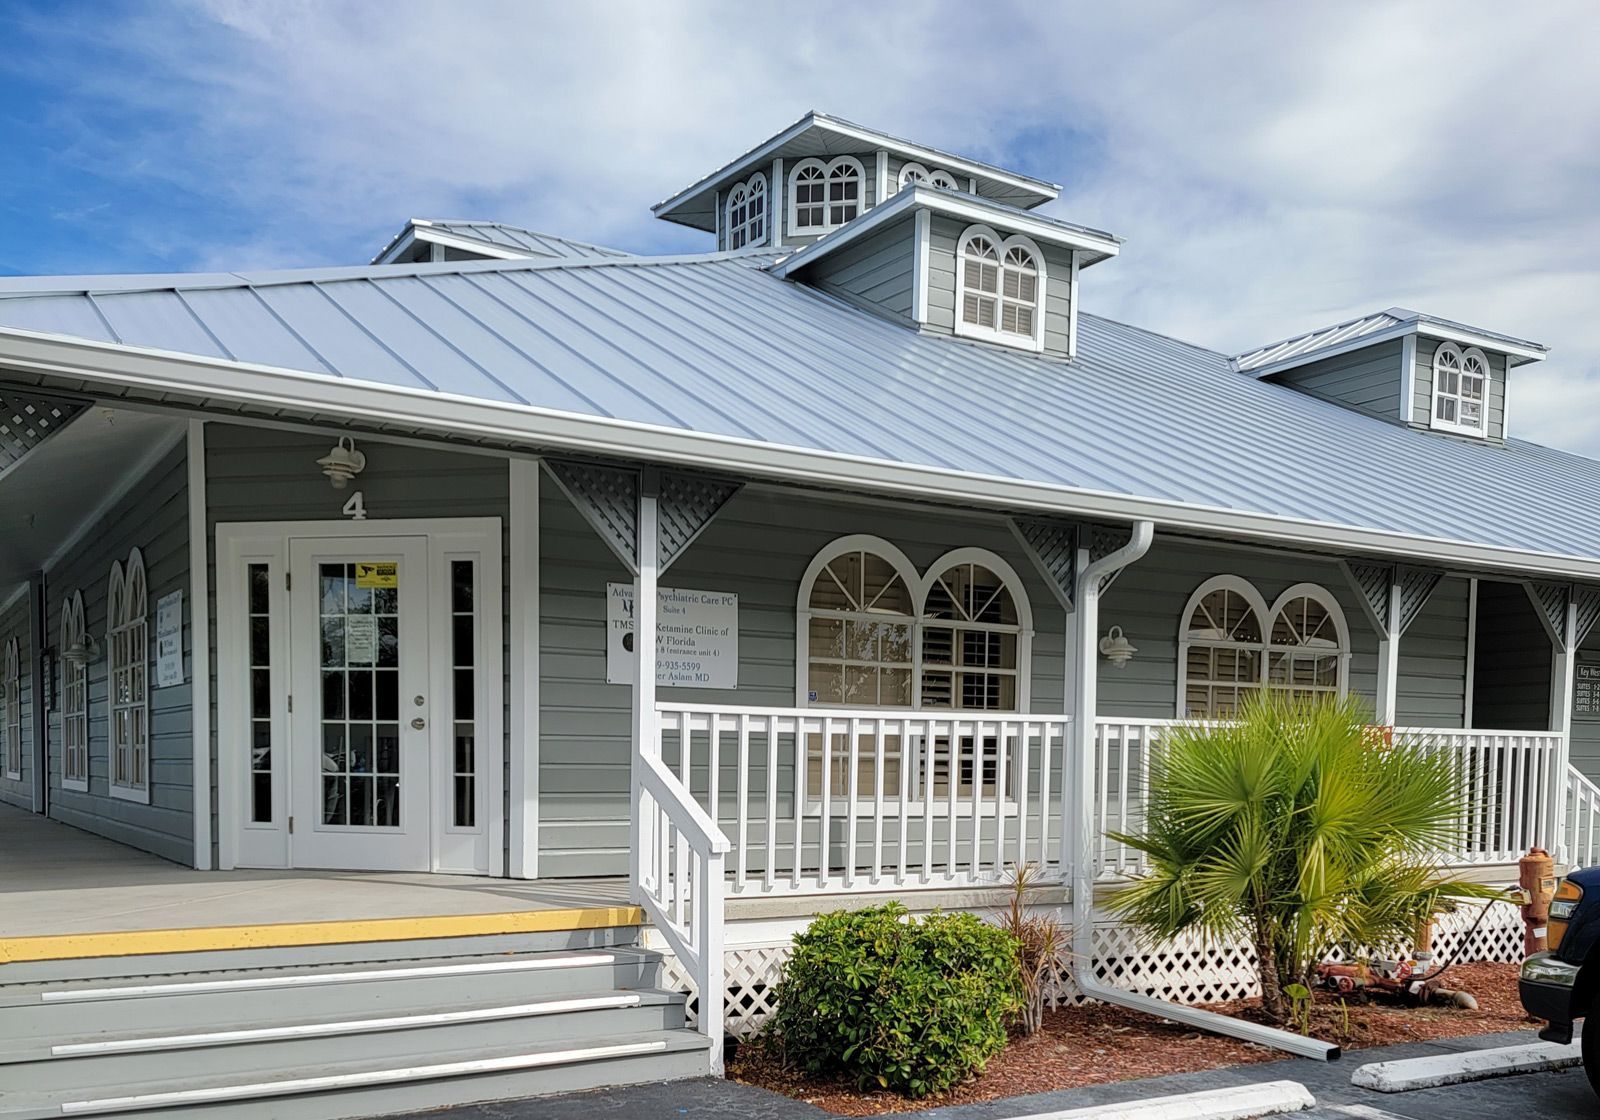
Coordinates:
[747,213]
[999,288]
[975,624]
[1221,648]
[13,712]
[1308,646]
[824,196]
[1232,645]
[1460,389]
[74,696]
[128,641]
[913,173]
[857,617]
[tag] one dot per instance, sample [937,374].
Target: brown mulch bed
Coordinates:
[1097,1043]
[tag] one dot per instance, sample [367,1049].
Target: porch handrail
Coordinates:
[1582,806]
[829,800]
[678,876]
[1508,776]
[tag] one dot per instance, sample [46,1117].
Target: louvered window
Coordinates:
[969,641]
[999,289]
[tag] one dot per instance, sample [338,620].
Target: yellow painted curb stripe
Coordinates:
[68,946]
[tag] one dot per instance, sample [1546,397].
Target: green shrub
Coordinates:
[912,1006]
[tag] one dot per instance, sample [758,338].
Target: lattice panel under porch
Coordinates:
[1185,971]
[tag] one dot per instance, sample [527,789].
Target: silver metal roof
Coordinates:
[820,134]
[1308,347]
[497,236]
[714,344]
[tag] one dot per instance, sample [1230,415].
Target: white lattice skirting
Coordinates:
[1185,970]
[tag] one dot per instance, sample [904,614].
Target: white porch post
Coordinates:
[524,598]
[645,736]
[1389,660]
[1563,660]
[200,647]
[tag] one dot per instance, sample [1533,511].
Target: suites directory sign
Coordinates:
[697,637]
[1586,690]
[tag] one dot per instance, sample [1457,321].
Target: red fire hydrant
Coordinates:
[1536,874]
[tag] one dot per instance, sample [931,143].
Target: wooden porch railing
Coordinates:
[1507,776]
[821,801]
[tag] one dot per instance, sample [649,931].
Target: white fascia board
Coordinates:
[1410,328]
[941,202]
[917,152]
[528,426]
[473,245]
[1486,341]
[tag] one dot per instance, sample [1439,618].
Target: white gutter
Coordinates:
[1080,826]
[206,381]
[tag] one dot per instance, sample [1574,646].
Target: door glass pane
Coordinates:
[360,630]
[463,623]
[260,620]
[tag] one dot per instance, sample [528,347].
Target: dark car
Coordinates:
[1563,984]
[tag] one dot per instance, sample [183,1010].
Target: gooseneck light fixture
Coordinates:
[342,463]
[1117,649]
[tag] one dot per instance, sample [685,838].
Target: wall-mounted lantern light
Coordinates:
[81,652]
[1117,649]
[342,463]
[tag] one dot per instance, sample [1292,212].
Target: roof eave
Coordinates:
[1100,246]
[762,153]
[1523,353]
[143,371]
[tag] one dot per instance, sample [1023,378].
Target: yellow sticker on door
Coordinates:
[382,574]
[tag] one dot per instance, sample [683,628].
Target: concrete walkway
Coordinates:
[1550,1096]
[55,879]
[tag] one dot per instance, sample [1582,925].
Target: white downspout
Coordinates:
[1085,670]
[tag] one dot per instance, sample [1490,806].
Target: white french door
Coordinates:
[361,721]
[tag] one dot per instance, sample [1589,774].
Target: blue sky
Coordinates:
[1273,166]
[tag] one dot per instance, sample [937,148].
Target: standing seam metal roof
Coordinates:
[714,344]
[498,235]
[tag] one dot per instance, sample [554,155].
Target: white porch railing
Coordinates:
[822,801]
[1506,774]
[1582,807]
[679,875]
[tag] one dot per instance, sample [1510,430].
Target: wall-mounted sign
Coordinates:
[385,573]
[1586,690]
[361,639]
[697,637]
[169,640]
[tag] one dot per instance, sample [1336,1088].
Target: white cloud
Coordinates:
[1274,167]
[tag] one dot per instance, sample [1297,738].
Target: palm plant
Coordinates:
[1297,828]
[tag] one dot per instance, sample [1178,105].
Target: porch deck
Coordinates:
[64,892]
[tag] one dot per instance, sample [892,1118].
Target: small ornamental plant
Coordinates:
[894,1002]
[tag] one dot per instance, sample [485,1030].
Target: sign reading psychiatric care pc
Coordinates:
[697,637]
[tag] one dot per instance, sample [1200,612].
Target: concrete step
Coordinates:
[233,960]
[370,1087]
[256,1049]
[264,996]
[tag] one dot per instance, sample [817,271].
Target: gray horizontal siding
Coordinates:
[1433,661]
[1368,380]
[876,273]
[1148,599]
[943,236]
[155,519]
[14,623]
[1422,403]
[263,474]
[758,548]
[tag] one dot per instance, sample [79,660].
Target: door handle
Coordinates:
[418,724]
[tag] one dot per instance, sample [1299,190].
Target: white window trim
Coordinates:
[965,329]
[119,618]
[1268,617]
[930,177]
[75,683]
[752,187]
[1462,356]
[918,587]
[793,210]
[13,711]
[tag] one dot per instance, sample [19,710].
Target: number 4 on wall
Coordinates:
[356,508]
